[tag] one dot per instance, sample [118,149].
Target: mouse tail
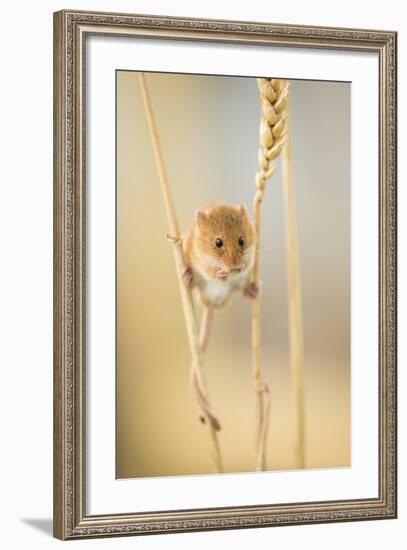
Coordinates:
[205,329]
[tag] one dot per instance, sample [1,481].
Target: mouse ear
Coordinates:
[242,209]
[200,217]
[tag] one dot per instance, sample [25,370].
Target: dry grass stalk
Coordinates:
[186,297]
[294,305]
[273,121]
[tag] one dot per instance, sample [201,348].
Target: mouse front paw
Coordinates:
[221,275]
[251,291]
[188,277]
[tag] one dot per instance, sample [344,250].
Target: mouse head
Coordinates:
[225,238]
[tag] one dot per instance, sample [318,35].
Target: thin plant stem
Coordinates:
[261,389]
[294,304]
[186,296]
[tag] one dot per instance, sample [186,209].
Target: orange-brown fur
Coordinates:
[204,259]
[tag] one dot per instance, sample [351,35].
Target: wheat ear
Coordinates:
[273,121]
[186,297]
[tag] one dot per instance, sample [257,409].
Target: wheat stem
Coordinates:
[273,105]
[186,296]
[294,304]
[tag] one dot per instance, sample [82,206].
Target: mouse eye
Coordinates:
[219,243]
[241,241]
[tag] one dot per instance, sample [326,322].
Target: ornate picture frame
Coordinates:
[71,519]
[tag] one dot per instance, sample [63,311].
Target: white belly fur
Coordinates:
[217,292]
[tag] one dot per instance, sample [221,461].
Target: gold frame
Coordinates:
[70,518]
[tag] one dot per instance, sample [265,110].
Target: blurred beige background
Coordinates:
[209,132]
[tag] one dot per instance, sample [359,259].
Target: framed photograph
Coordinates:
[225,274]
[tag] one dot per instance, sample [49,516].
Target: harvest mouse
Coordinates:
[219,251]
